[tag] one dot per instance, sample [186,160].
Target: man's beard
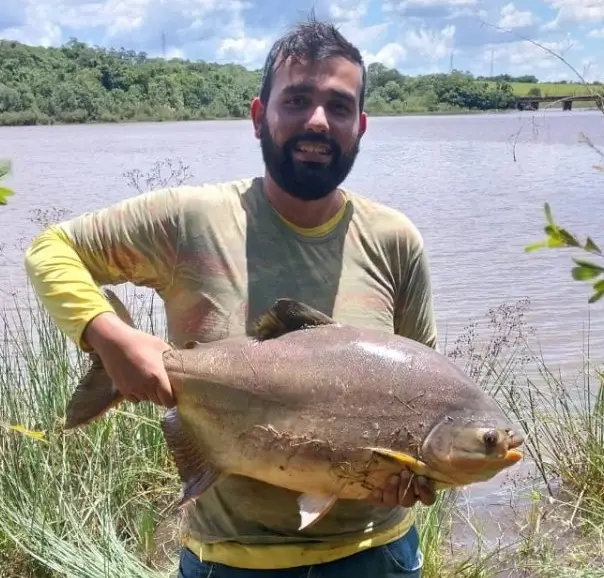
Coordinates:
[308,181]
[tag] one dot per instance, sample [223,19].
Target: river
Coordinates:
[475,186]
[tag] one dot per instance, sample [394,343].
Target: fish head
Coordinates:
[472,446]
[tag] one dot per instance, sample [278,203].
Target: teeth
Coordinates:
[314,149]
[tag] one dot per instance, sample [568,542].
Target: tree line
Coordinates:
[78,83]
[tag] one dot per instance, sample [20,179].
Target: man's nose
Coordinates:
[318,120]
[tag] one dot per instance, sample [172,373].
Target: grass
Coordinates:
[76,504]
[556,89]
[552,88]
[99,502]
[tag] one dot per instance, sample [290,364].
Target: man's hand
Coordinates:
[404,490]
[133,359]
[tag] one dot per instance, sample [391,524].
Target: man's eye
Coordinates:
[340,108]
[296,101]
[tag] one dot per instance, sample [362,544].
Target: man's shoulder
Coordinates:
[384,222]
[209,194]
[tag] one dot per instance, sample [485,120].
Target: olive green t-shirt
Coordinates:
[219,256]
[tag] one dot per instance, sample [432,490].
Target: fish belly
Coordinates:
[306,465]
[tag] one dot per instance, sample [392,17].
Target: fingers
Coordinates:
[158,391]
[405,490]
[165,394]
[424,490]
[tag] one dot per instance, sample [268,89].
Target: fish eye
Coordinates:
[490,438]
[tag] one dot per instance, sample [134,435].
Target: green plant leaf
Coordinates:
[36,435]
[580,273]
[536,246]
[599,286]
[592,247]
[589,265]
[4,194]
[555,242]
[548,215]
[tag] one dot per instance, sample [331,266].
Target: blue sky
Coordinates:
[415,36]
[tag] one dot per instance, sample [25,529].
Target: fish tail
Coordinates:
[95,393]
[94,396]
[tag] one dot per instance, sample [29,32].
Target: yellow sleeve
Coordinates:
[414,313]
[135,240]
[63,284]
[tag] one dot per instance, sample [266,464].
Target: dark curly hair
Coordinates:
[312,40]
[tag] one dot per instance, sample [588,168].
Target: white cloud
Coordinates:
[511,17]
[364,36]
[433,44]
[414,35]
[526,58]
[391,55]
[348,10]
[402,5]
[244,50]
[174,53]
[576,11]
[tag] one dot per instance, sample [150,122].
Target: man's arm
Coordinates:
[135,240]
[138,241]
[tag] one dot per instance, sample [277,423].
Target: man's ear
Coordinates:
[257,113]
[363,123]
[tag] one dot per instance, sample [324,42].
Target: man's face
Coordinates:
[311,128]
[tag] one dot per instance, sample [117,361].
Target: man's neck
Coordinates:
[306,214]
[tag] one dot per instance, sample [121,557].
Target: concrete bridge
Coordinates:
[533,102]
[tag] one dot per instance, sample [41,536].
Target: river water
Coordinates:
[475,186]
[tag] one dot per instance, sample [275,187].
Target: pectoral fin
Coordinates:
[288,315]
[419,468]
[313,507]
[196,472]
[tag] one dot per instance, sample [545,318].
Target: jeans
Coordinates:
[401,558]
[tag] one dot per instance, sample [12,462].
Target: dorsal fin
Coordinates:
[288,315]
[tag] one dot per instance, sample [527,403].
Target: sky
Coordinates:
[414,36]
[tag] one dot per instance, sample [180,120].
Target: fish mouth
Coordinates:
[513,456]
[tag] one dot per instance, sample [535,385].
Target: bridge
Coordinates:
[532,102]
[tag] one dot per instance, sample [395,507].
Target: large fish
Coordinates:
[327,410]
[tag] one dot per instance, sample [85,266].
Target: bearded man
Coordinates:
[220,255]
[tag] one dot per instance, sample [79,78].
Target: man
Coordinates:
[219,256]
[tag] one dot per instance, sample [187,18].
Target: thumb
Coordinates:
[164,391]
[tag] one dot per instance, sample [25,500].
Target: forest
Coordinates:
[78,83]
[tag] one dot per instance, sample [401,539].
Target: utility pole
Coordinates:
[163,45]
[492,55]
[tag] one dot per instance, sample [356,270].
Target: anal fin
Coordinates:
[313,507]
[197,474]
